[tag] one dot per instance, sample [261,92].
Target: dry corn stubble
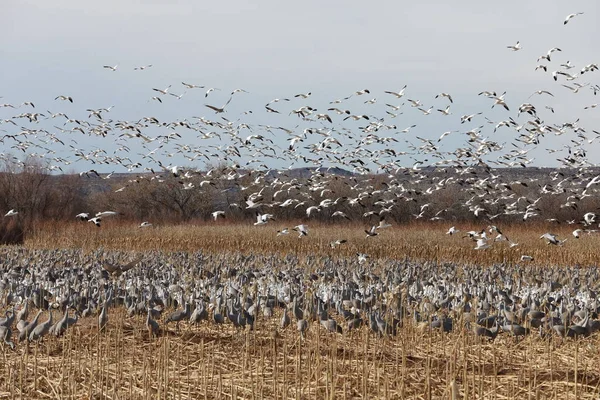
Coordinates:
[212,361]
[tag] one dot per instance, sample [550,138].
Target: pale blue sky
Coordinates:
[278,49]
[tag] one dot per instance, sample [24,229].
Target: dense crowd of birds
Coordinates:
[254,292]
[340,295]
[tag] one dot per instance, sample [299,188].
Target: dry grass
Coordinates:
[218,362]
[418,241]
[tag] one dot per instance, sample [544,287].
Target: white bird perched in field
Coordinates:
[452,231]
[526,258]
[96,221]
[103,214]
[301,229]
[217,214]
[551,238]
[482,244]
[145,224]
[515,47]
[284,231]
[570,16]
[83,216]
[11,213]
[262,219]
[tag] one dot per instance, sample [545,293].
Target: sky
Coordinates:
[275,49]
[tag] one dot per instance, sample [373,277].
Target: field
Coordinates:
[420,241]
[220,361]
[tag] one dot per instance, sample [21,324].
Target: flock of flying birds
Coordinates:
[369,143]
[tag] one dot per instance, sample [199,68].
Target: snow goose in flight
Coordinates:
[219,110]
[61,97]
[163,91]
[284,231]
[336,243]
[142,67]
[145,224]
[398,94]
[111,68]
[372,232]
[103,214]
[192,86]
[446,95]
[468,118]
[415,103]
[541,92]
[452,231]
[217,214]
[425,112]
[551,238]
[301,229]
[83,216]
[210,90]
[445,111]
[96,221]
[482,244]
[310,209]
[262,219]
[570,16]
[383,224]
[406,130]
[340,214]
[303,95]
[515,47]
[526,258]
[589,218]
[11,213]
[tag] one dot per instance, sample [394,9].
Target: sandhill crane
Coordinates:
[302,327]
[103,317]
[42,329]
[179,315]
[285,319]
[27,328]
[151,325]
[200,313]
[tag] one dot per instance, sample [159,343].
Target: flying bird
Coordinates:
[571,16]
[515,47]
